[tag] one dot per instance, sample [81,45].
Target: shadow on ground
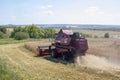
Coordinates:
[48,57]
[58,60]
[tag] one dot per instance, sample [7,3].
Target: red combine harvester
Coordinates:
[67,44]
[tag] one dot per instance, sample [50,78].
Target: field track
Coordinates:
[29,67]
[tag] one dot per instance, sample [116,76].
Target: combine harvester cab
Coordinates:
[67,44]
[79,43]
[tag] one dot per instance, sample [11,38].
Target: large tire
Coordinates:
[54,53]
[73,55]
[65,57]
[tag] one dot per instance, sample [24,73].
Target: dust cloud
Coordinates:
[97,62]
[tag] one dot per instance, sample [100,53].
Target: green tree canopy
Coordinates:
[16,29]
[21,35]
[34,31]
[49,32]
[3,29]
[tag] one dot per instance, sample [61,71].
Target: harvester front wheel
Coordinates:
[65,57]
[54,53]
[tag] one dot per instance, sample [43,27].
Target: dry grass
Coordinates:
[9,29]
[109,48]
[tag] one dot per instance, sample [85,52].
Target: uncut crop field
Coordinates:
[109,48]
[32,46]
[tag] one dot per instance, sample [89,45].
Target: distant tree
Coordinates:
[106,35]
[3,29]
[32,30]
[16,29]
[41,33]
[1,35]
[21,35]
[49,32]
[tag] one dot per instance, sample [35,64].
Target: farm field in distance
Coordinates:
[29,67]
[99,33]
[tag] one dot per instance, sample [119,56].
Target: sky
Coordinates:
[60,12]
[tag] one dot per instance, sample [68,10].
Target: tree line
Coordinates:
[30,31]
[3,32]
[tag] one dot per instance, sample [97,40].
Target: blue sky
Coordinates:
[60,11]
